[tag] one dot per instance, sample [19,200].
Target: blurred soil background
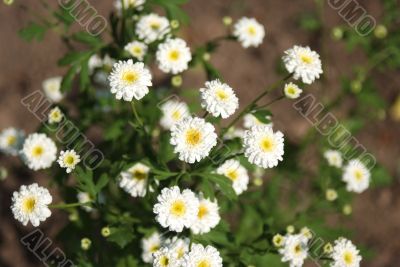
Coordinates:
[376,213]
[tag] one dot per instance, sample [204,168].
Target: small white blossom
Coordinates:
[236,173]
[345,254]
[11,140]
[203,256]
[52,89]
[173,56]
[173,111]
[334,158]
[68,159]
[207,216]
[136,49]
[249,32]
[292,91]
[55,115]
[356,176]
[135,180]
[152,27]
[39,151]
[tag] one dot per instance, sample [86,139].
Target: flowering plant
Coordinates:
[173,178]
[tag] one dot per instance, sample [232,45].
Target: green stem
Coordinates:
[271,102]
[70,205]
[136,114]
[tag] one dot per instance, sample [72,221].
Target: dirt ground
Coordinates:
[376,218]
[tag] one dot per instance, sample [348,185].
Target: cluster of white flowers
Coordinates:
[39,151]
[11,140]
[177,252]
[135,180]
[176,210]
[30,204]
[304,63]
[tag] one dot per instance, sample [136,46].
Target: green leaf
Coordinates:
[33,31]
[86,38]
[102,182]
[263,115]
[380,177]
[74,58]
[224,183]
[66,83]
[122,236]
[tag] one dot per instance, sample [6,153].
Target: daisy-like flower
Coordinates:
[173,56]
[176,210]
[30,204]
[237,173]
[219,99]
[39,151]
[150,245]
[345,254]
[137,4]
[357,176]
[173,111]
[94,62]
[249,32]
[263,147]
[207,216]
[193,139]
[136,49]
[134,180]
[179,248]
[55,115]
[278,240]
[84,197]
[130,80]
[52,89]
[334,158]
[292,91]
[164,258]
[11,140]
[294,250]
[304,63]
[200,256]
[152,27]
[250,120]
[68,159]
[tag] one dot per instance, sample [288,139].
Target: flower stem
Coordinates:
[136,114]
[70,205]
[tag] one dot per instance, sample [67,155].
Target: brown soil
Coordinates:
[376,220]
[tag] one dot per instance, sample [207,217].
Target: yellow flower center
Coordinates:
[306,59]
[139,174]
[174,55]
[136,50]
[358,174]
[221,94]
[164,261]
[178,208]
[252,30]
[69,160]
[154,248]
[37,151]
[193,137]
[203,211]
[232,174]
[55,115]
[291,90]
[29,204]
[155,25]
[348,257]
[203,263]
[267,144]
[297,249]
[11,140]
[180,253]
[130,77]
[176,115]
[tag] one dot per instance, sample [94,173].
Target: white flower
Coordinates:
[294,250]
[55,115]
[176,210]
[334,158]
[303,63]
[173,111]
[263,147]
[203,256]
[136,49]
[30,204]
[292,91]
[150,245]
[134,181]
[173,56]
[152,27]
[193,139]
[11,140]
[237,173]
[94,62]
[164,258]
[138,4]
[84,197]
[249,32]
[68,159]
[250,120]
[130,80]
[345,254]
[357,176]
[179,248]
[39,151]
[219,99]
[52,89]
[233,133]
[207,216]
